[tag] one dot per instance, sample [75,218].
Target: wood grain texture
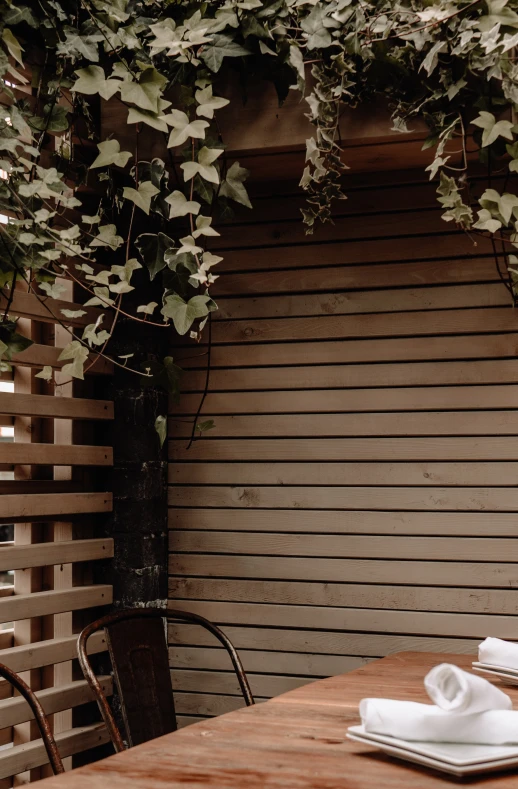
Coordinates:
[357,493]
[55,407]
[296,740]
[39,506]
[56,454]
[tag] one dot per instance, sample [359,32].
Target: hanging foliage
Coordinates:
[452,64]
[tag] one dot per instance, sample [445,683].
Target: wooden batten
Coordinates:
[357,493]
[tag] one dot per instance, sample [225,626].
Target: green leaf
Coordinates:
[14,47]
[14,15]
[203,427]
[146,92]
[233,187]
[107,237]
[432,57]
[15,343]
[222,46]
[182,313]
[313,25]
[77,46]
[486,222]
[92,81]
[183,128]
[79,354]
[180,206]
[46,373]
[152,119]
[110,153]
[208,103]
[203,166]
[54,119]
[71,314]
[148,309]
[152,248]
[161,429]
[53,291]
[142,196]
[164,374]
[492,129]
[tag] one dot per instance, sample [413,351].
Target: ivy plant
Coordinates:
[92,211]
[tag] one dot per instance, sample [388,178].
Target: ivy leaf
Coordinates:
[54,119]
[164,374]
[146,92]
[184,313]
[14,47]
[203,427]
[152,248]
[297,61]
[492,129]
[161,429]
[79,354]
[203,227]
[107,237]
[233,187]
[46,373]
[313,25]
[14,15]
[180,206]
[110,153]
[188,246]
[53,291]
[486,222]
[72,314]
[92,80]
[505,204]
[77,46]
[432,58]
[203,166]
[151,118]
[183,128]
[148,309]
[208,103]
[141,196]
[13,341]
[221,47]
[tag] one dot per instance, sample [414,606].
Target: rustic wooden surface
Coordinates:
[295,741]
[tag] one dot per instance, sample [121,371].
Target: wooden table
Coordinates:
[294,741]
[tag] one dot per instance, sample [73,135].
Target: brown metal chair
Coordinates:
[137,645]
[41,719]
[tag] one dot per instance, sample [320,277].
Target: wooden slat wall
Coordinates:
[357,495]
[49,493]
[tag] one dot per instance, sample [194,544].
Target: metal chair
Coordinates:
[41,719]
[137,646]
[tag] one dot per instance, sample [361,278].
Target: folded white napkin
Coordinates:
[408,720]
[454,690]
[498,653]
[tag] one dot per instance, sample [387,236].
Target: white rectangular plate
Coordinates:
[508,675]
[453,758]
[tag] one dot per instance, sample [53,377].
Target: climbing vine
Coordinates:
[91,211]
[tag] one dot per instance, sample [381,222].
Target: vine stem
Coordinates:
[206,387]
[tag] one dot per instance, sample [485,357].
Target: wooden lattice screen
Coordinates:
[49,483]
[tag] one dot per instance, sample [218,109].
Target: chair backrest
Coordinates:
[41,719]
[138,649]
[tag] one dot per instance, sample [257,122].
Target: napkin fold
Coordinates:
[409,720]
[498,653]
[454,690]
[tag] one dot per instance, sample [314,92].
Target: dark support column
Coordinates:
[139,521]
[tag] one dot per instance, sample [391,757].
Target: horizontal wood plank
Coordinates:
[304,497]
[472,549]
[480,423]
[47,355]
[313,449]
[54,407]
[55,454]
[30,755]
[39,506]
[440,474]
[47,310]
[223,682]
[27,606]
[474,601]
[382,621]
[319,401]
[72,694]
[415,573]
[474,524]
[46,653]
[18,557]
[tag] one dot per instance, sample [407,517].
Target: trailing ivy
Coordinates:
[452,64]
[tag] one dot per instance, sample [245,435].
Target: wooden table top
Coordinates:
[294,741]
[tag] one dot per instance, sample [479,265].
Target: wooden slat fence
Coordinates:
[49,491]
[357,495]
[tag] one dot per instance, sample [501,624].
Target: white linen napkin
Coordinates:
[409,720]
[454,690]
[498,653]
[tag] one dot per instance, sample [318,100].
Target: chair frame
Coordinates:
[144,613]
[39,713]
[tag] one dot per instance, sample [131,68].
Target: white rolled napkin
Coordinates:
[409,720]
[454,690]
[498,653]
